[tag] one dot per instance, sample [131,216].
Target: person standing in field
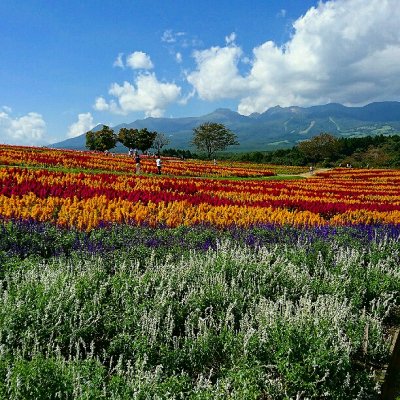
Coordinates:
[137,160]
[159,164]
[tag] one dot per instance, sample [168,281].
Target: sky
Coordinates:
[68,65]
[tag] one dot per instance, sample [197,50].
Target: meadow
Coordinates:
[208,282]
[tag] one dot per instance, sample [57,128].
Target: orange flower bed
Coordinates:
[85,200]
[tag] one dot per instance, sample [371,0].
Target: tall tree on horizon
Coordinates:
[211,137]
[101,140]
[321,147]
[128,137]
[159,142]
[145,139]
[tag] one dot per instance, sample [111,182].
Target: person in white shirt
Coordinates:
[159,165]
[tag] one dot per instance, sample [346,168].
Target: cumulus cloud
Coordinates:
[146,94]
[217,74]
[340,51]
[101,104]
[84,124]
[29,129]
[139,60]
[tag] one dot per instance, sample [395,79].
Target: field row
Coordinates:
[88,160]
[85,200]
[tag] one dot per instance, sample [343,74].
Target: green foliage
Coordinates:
[128,137]
[42,378]
[38,378]
[211,137]
[378,151]
[280,157]
[320,148]
[91,140]
[372,151]
[178,153]
[145,139]
[140,139]
[102,140]
[236,322]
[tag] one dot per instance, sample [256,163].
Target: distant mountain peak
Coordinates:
[262,131]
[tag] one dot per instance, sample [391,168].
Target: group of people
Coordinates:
[135,153]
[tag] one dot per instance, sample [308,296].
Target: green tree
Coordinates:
[322,147]
[128,137]
[159,142]
[136,139]
[144,139]
[102,140]
[376,156]
[90,140]
[211,137]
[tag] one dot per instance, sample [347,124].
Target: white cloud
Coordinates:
[184,100]
[180,40]
[146,94]
[139,60]
[169,36]
[340,51]
[84,124]
[29,129]
[217,75]
[101,104]
[118,61]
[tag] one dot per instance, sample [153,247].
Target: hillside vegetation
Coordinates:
[369,151]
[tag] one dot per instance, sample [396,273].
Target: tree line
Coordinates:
[330,151]
[209,137]
[140,139]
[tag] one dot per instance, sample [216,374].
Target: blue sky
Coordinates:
[68,65]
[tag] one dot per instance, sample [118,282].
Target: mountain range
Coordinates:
[278,127]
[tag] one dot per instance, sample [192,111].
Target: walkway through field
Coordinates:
[308,174]
[311,174]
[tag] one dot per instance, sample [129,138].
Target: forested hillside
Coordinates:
[368,151]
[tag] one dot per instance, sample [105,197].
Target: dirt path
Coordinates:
[312,174]
[308,174]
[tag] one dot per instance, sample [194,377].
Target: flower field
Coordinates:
[44,157]
[182,286]
[85,200]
